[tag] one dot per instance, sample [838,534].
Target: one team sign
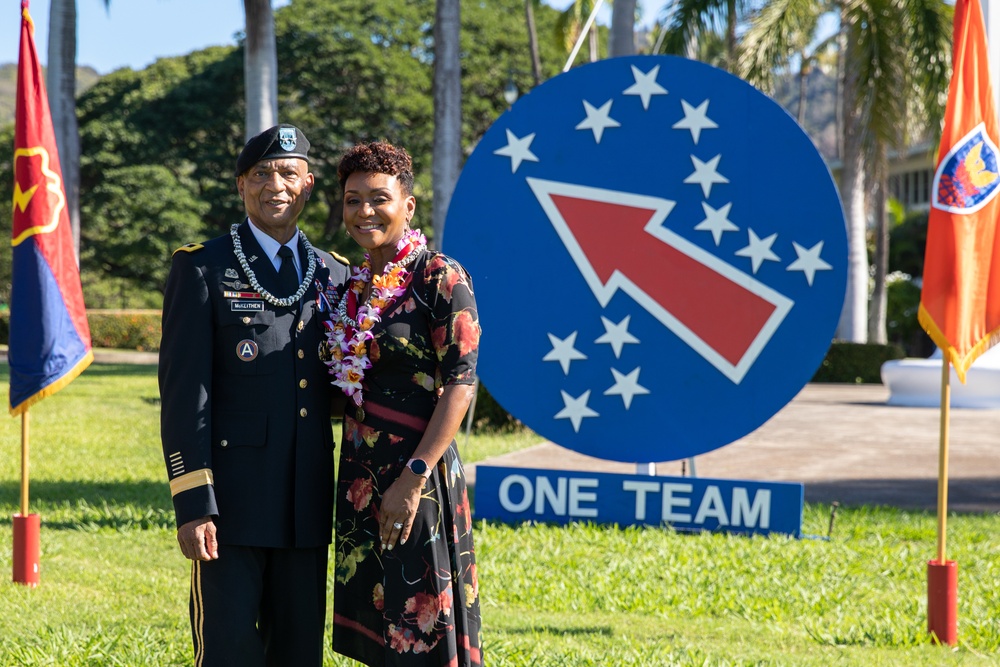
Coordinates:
[684,503]
[659,256]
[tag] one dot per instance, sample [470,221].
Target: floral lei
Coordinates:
[348,337]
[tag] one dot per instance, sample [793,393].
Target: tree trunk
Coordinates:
[854,316]
[621,40]
[447,111]
[61,88]
[592,43]
[536,58]
[880,299]
[803,80]
[730,35]
[260,67]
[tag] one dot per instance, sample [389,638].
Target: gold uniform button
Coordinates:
[246,320]
[303,384]
[303,412]
[301,325]
[224,443]
[302,355]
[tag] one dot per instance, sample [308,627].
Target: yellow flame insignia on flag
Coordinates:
[49,219]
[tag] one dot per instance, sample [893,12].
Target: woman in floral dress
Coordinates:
[403,342]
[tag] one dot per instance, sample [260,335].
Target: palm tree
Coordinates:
[690,21]
[61,87]
[536,59]
[447,85]
[571,22]
[260,67]
[621,39]
[895,59]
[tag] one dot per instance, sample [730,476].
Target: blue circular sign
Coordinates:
[659,256]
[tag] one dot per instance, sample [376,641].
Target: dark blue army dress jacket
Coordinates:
[245,400]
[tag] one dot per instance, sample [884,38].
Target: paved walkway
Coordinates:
[844,444]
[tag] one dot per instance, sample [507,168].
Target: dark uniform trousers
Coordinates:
[247,440]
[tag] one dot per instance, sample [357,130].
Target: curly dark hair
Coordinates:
[378,157]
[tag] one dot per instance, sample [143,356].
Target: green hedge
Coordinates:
[117,329]
[856,363]
[125,329]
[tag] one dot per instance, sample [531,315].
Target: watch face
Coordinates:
[418,466]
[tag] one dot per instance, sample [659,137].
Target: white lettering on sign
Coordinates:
[669,502]
[526,490]
[567,498]
[576,496]
[712,506]
[742,513]
[746,515]
[556,499]
[641,489]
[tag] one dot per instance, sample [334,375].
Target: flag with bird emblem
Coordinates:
[960,295]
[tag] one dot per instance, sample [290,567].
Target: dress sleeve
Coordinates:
[185,377]
[454,320]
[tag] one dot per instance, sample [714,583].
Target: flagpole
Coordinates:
[24,463]
[942,507]
[27,527]
[942,574]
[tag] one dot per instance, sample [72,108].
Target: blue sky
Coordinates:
[134,33]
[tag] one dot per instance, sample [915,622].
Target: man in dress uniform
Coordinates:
[245,418]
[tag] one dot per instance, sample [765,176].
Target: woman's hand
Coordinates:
[399,508]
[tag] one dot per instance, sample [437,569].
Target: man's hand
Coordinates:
[197,539]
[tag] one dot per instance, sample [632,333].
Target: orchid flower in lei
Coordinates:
[349,337]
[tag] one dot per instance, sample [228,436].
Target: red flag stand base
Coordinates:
[942,601]
[26,549]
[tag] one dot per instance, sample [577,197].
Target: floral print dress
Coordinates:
[417,604]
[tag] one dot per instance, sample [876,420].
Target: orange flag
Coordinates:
[960,298]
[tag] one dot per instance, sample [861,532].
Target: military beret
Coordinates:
[274,143]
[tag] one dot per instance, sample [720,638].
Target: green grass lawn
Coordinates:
[113,584]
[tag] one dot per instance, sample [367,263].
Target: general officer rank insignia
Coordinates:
[967,177]
[246,350]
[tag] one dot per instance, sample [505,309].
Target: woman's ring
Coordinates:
[397,526]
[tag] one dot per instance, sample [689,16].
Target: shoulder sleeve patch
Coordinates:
[340,258]
[188,247]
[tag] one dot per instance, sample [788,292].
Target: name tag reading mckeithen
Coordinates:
[243,306]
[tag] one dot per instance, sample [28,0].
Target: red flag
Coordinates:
[960,298]
[49,334]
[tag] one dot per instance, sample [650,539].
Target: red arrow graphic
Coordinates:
[618,242]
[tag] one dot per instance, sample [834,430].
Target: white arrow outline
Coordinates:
[544,190]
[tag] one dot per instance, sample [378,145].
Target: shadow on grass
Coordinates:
[94,370]
[583,631]
[73,505]
[967,494]
[103,370]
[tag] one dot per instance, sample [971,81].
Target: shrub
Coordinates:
[856,363]
[117,329]
[490,415]
[125,329]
